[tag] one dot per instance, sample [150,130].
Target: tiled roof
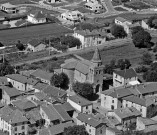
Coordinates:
[126,112]
[67,107]
[128,73]
[22,79]
[5,111]
[38,14]
[24,104]
[50,112]
[41,74]
[80,100]
[147,121]
[58,71]
[96,56]
[12,92]
[117,132]
[27,72]
[53,91]
[82,68]
[64,115]
[40,86]
[34,42]
[33,115]
[40,95]
[88,119]
[113,121]
[44,131]
[121,19]
[70,65]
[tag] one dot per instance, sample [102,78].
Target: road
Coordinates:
[108,44]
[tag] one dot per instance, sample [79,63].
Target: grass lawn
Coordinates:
[129,52]
[15,1]
[137,5]
[27,33]
[115,3]
[120,9]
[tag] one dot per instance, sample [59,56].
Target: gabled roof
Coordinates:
[89,120]
[38,14]
[33,115]
[127,112]
[63,114]
[26,72]
[24,104]
[80,100]
[12,92]
[41,74]
[147,121]
[67,107]
[40,95]
[22,79]
[40,86]
[128,73]
[8,5]
[53,91]
[34,42]
[121,19]
[50,112]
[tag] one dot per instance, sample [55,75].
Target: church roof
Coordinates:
[96,56]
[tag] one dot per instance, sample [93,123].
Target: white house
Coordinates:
[124,77]
[36,17]
[9,8]
[80,104]
[35,45]
[90,38]
[74,16]
[94,6]
[123,22]
[144,24]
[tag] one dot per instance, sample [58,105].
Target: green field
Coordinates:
[120,9]
[27,33]
[15,1]
[127,51]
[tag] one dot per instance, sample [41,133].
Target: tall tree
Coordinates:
[146,58]
[75,130]
[6,68]
[136,29]
[118,31]
[123,63]
[20,46]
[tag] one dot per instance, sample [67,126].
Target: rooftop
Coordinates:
[89,120]
[147,121]
[38,14]
[27,72]
[67,107]
[41,74]
[40,86]
[8,5]
[22,79]
[12,92]
[34,42]
[121,19]
[80,100]
[127,73]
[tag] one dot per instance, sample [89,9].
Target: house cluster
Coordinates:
[29,103]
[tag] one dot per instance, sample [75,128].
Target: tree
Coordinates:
[75,130]
[141,39]
[118,31]
[1,45]
[136,29]
[150,76]
[83,89]
[146,58]
[151,21]
[60,80]
[20,46]
[6,68]
[123,64]
[108,69]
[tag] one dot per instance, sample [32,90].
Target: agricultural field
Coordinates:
[126,51]
[120,9]
[27,33]
[16,1]
[151,2]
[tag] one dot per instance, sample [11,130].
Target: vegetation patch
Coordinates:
[120,9]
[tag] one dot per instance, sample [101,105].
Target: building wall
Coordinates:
[80,77]
[44,116]
[5,126]
[8,10]
[20,128]
[75,105]
[87,109]
[108,102]
[144,25]
[81,38]
[140,108]
[140,125]
[6,98]
[109,132]
[17,85]
[40,47]
[34,20]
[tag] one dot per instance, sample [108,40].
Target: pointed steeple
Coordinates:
[96,56]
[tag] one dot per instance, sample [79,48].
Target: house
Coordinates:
[26,72]
[126,116]
[56,129]
[36,17]
[9,94]
[144,24]
[146,124]
[35,45]
[90,38]
[74,16]
[142,97]
[82,70]
[42,75]
[39,87]
[112,131]
[21,82]
[80,104]
[24,105]
[94,6]
[124,77]
[52,1]
[9,8]
[92,125]
[123,22]
[13,121]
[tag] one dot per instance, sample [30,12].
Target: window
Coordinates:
[89,130]
[23,133]
[112,101]
[112,107]
[104,98]
[15,128]
[101,131]
[23,127]
[15,133]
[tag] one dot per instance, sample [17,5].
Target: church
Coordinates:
[82,70]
